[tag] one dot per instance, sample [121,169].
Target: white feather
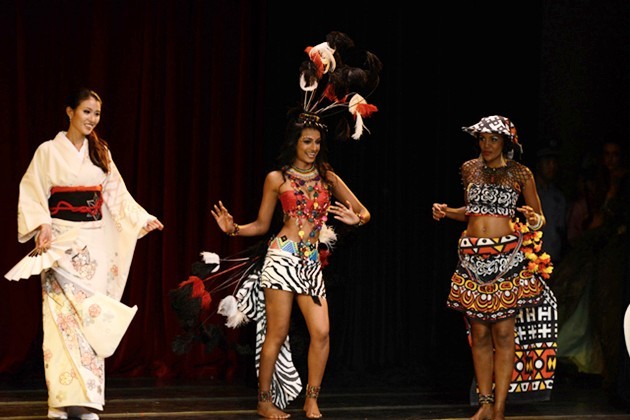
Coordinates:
[352,108]
[326,54]
[358,126]
[228,307]
[211,258]
[328,236]
[303,84]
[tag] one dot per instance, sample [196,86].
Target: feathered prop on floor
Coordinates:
[192,299]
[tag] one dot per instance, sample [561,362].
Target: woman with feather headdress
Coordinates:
[304,184]
[292,270]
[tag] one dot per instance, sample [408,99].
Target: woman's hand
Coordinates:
[344,214]
[439,211]
[43,238]
[223,217]
[532,218]
[153,224]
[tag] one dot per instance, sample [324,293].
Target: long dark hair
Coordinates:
[288,151]
[98,147]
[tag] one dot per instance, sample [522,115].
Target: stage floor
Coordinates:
[198,399]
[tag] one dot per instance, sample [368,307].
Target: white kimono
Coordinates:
[97,261]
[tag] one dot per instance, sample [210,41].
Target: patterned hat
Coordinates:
[495,124]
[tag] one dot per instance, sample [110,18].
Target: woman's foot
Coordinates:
[57,413]
[267,410]
[311,409]
[499,413]
[485,412]
[82,413]
[310,402]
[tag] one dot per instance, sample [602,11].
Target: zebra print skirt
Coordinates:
[283,270]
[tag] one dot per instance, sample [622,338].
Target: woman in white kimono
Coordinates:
[72,188]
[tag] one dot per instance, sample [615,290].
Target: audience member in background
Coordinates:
[590,281]
[553,201]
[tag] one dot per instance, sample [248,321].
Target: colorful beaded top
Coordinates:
[307,204]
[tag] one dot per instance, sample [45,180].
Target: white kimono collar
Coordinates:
[66,143]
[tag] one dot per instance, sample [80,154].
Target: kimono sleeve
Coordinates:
[126,213]
[123,221]
[33,196]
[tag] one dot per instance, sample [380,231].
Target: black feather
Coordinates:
[186,307]
[182,343]
[201,269]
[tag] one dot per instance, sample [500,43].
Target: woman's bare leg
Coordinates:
[504,348]
[278,304]
[483,360]
[318,324]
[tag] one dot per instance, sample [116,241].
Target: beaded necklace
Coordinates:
[499,172]
[311,181]
[303,171]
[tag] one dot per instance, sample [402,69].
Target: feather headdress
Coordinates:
[339,76]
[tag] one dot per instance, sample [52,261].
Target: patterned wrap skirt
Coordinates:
[492,280]
[496,279]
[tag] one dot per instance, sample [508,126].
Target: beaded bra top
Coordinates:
[292,202]
[308,201]
[493,191]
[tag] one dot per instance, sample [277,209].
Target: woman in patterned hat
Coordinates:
[498,284]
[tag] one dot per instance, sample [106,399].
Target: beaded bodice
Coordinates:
[307,203]
[493,191]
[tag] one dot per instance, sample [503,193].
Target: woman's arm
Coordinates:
[532,210]
[261,225]
[348,209]
[441,210]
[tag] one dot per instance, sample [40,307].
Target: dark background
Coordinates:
[195,94]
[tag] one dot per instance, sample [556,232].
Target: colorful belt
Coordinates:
[287,245]
[77,204]
[488,246]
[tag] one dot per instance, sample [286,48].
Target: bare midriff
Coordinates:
[483,226]
[291,230]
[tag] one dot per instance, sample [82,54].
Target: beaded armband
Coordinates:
[538,224]
[237,228]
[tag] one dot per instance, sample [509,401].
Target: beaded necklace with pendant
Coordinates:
[311,181]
